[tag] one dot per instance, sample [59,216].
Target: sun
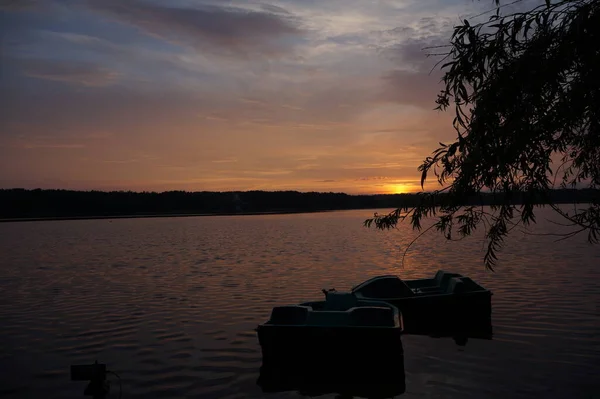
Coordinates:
[399,188]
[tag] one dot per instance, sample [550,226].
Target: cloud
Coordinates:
[121,161]
[274,9]
[415,50]
[17,5]
[410,88]
[228,30]
[225,160]
[71,72]
[372,178]
[41,142]
[53,146]
[136,63]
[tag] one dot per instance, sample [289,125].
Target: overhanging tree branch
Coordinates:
[523,87]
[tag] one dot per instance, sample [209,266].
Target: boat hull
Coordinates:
[428,314]
[315,343]
[449,302]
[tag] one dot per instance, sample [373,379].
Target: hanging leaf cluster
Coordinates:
[524,89]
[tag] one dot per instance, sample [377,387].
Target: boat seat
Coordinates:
[372,316]
[470,285]
[340,301]
[290,315]
[328,318]
[442,278]
[438,277]
[429,290]
[455,286]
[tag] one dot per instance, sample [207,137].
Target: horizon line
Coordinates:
[249,191]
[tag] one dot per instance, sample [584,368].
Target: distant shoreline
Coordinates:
[20,205]
[162,215]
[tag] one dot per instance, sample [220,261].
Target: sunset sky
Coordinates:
[324,95]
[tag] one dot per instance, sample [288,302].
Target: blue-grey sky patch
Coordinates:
[227,29]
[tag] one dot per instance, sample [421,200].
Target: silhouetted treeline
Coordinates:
[21,203]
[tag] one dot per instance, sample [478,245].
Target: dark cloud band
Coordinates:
[225,29]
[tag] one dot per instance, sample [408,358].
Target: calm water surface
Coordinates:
[171,303]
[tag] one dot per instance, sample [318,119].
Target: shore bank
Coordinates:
[160,215]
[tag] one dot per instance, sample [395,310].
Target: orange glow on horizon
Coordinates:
[400,188]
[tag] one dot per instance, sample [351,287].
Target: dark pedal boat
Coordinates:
[340,345]
[340,324]
[449,302]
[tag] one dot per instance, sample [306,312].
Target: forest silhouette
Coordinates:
[41,204]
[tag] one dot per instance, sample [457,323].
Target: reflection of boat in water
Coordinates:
[350,374]
[340,345]
[447,301]
[473,327]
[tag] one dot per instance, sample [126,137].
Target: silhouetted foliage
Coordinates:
[36,204]
[525,91]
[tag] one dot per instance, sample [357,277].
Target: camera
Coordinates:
[95,373]
[88,372]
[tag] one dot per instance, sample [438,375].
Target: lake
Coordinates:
[171,304]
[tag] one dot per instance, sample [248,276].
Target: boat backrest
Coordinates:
[339,301]
[438,277]
[470,285]
[290,315]
[329,318]
[372,316]
[442,278]
[455,286]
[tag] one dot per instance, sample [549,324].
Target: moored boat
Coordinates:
[340,324]
[448,301]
